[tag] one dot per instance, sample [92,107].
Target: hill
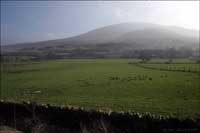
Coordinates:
[111,41]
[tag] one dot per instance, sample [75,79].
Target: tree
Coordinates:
[144,56]
[171,54]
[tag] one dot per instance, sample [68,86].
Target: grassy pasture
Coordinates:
[103,84]
[184,67]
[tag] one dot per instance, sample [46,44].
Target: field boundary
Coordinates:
[163,69]
[28,117]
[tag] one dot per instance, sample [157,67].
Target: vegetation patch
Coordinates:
[104,84]
[33,117]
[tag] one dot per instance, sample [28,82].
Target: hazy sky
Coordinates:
[40,20]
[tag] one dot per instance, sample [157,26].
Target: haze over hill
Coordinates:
[114,40]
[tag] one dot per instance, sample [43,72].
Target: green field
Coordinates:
[183,67]
[104,84]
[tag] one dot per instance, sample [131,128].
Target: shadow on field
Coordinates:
[35,118]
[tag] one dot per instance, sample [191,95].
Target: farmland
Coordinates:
[106,84]
[182,67]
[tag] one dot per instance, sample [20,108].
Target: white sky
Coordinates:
[177,13]
[44,20]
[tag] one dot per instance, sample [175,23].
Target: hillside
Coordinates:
[111,41]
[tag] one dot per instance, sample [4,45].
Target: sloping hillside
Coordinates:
[111,41]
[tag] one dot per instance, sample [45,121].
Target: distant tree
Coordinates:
[52,55]
[171,54]
[144,56]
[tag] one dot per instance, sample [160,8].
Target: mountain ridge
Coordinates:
[120,26]
[112,41]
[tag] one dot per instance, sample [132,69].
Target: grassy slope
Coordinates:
[103,84]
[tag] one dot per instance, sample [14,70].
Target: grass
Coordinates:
[184,67]
[103,84]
